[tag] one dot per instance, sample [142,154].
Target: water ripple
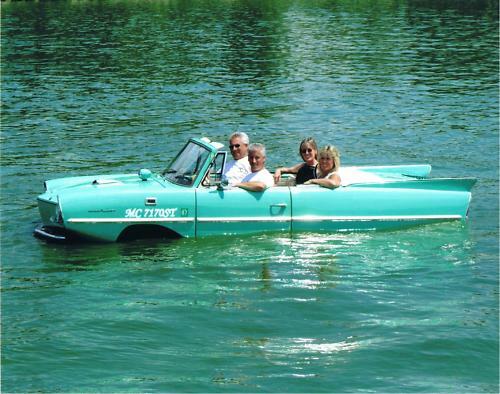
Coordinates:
[116,86]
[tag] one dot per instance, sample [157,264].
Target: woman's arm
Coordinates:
[332,182]
[287,170]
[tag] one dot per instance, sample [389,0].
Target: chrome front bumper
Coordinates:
[48,233]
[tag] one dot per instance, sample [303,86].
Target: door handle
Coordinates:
[279,205]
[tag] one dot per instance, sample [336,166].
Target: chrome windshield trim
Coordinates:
[192,177]
[129,220]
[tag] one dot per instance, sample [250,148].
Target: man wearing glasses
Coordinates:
[235,170]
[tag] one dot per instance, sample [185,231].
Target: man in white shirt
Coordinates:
[235,170]
[260,178]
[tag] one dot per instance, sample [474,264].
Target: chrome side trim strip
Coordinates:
[313,218]
[305,218]
[245,219]
[130,220]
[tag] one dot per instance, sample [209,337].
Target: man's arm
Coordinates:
[253,186]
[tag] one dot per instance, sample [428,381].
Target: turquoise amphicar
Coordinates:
[188,200]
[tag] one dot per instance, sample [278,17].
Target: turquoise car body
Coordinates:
[188,200]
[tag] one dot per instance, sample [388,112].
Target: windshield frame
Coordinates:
[188,165]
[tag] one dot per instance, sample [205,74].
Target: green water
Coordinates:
[114,86]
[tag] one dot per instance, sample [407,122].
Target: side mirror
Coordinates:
[222,184]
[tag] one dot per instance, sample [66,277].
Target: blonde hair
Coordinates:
[332,152]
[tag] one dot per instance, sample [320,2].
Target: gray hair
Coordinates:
[257,146]
[242,135]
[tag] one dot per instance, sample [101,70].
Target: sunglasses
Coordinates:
[308,150]
[235,146]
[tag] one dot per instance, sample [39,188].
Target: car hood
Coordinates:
[95,183]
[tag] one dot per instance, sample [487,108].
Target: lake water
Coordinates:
[114,86]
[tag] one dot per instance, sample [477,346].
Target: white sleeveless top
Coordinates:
[348,176]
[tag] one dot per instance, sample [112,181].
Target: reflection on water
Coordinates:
[309,260]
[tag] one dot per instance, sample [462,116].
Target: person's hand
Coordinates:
[277,175]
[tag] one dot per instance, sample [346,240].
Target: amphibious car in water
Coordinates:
[188,200]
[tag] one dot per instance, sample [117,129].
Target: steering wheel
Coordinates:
[186,179]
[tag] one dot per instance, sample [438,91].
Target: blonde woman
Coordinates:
[329,165]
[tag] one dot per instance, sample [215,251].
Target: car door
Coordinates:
[238,211]
[317,208]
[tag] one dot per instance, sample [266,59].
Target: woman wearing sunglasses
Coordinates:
[308,150]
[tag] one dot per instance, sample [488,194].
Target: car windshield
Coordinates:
[185,167]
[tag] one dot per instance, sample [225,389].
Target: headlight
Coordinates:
[57,217]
